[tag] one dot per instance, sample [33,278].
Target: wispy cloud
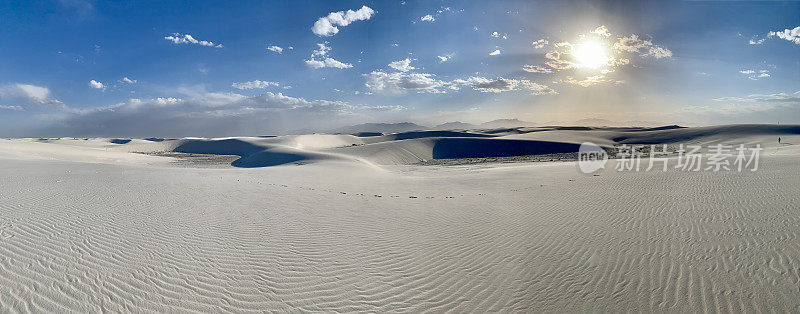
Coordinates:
[127,80]
[755,75]
[12,108]
[536,69]
[275,49]
[445,57]
[28,94]
[255,84]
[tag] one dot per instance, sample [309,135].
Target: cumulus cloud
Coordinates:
[96,85]
[445,58]
[320,59]
[256,84]
[755,75]
[178,39]
[398,82]
[427,18]
[634,44]
[539,44]
[495,52]
[327,25]
[127,80]
[792,35]
[536,69]
[402,65]
[28,94]
[275,49]
[327,63]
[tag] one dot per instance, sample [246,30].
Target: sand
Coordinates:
[314,223]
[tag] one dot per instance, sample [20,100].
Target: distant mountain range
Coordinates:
[494,124]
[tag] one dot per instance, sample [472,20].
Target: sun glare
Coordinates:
[590,54]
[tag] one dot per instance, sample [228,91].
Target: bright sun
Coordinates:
[590,54]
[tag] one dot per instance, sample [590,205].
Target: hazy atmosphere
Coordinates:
[90,68]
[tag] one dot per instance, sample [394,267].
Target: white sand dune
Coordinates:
[88,226]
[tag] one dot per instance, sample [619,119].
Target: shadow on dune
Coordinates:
[424,134]
[250,155]
[675,135]
[119,141]
[449,148]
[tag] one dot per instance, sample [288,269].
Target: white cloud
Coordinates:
[539,44]
[500,85]
[601,31]
[13,108]
[127,80]
[494,53]
[427,18]
[755,41]
[402,65]
[325,62]
[755,75]
[256,84]
[399,82]
[792,35]
[177,39]
[659,52]
[96,85]
[275,49]
[327,25]
[498,35]
[29,94]
[634,44]
[536,69]
[445,58]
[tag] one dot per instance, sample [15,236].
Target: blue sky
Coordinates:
[92,68]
